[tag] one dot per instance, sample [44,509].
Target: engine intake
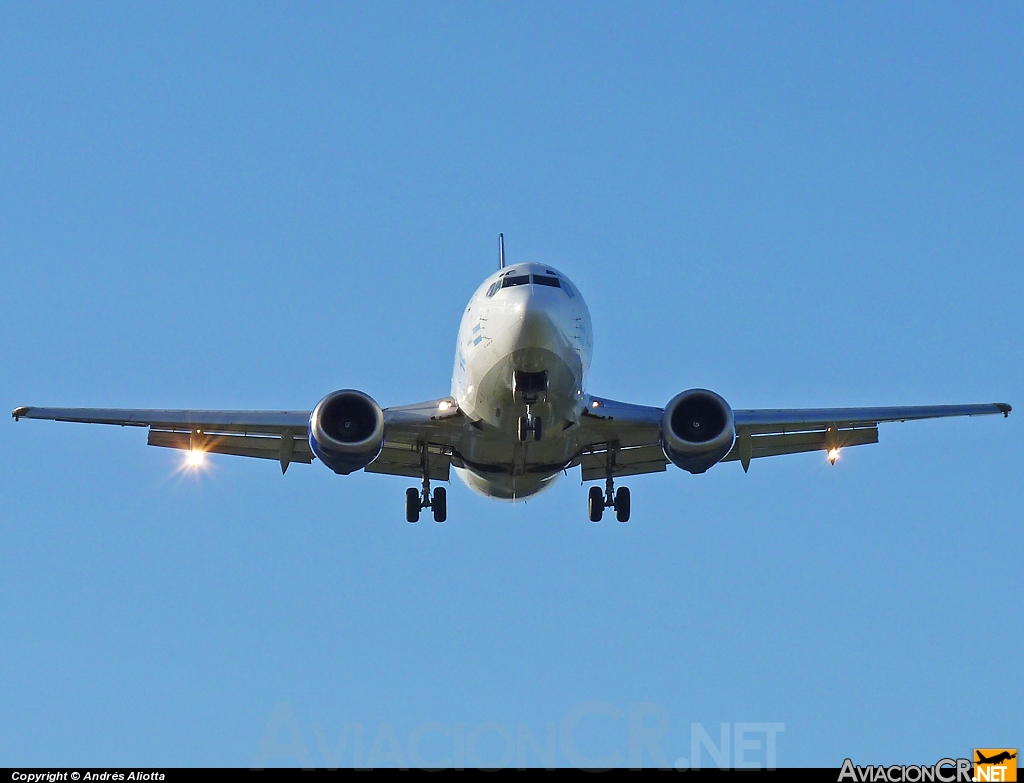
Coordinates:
[697,430]
[346,430]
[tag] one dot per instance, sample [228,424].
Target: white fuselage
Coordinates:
[542,328]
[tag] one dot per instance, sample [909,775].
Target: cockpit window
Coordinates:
[508,280]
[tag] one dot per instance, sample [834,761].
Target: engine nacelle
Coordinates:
[697,430]
[346,430]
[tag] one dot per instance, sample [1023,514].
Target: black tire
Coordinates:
[595,504]
[622,504]
[412,505]
[523,428]
[440,504]
[536,428]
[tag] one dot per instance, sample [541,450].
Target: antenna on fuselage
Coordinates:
[501,250]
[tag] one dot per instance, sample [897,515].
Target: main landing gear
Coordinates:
[598,501]
[416,500]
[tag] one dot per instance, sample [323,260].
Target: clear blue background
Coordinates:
[238,205]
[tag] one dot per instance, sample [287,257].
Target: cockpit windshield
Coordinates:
[510,280]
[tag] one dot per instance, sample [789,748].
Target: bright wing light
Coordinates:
[194,458]
[833,455]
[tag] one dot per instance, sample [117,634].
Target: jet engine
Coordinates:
[697,430]
[346,430]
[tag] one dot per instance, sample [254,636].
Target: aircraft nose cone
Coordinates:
[534,327]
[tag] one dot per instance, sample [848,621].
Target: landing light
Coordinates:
[194,458]
[833,455]
[444,405]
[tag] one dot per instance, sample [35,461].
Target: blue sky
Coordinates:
[238,205]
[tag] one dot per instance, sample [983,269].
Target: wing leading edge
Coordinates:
[621,439]
[414,433]
[617,438]
[277,435]
[798,419]
[222,421]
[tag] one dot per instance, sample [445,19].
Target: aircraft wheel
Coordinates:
[536,429]
[412,505]
[524,428]
[622,504]
[595,504]
[440,504]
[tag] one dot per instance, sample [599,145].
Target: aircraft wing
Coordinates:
[419,435]
[771,432]
[221,421]
[620,438]
[624,439]
[787,420]
[279,435]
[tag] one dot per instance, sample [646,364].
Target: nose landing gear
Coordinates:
[598,501]
[531,388]
[529,423]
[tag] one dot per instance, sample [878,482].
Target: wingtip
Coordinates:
[1004,408]
[17,413]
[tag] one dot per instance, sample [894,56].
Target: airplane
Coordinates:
[996,759]
[518,414]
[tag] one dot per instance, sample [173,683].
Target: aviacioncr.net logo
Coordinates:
[943,771]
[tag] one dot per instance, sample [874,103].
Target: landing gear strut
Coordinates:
[598,501]
[416,500]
